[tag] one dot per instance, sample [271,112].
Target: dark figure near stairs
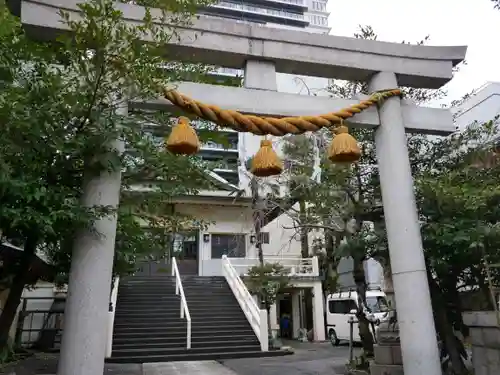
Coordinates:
[285,327]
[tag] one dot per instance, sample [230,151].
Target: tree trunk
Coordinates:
[451,345]
[304,238]
[364,324]
[19,282]
[330,281]
[257,214]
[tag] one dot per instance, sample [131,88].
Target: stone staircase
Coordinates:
[148,327]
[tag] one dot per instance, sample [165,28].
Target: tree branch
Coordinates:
[316,226]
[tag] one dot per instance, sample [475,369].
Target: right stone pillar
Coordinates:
[418,339]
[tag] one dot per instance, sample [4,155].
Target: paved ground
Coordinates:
[309,359]
[46,364]
[187,368]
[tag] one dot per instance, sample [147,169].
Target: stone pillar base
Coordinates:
[485,340]
[388,354]
[388,359]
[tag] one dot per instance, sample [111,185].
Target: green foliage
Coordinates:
[458,196]
[456,186]
[267,281]
[61,107]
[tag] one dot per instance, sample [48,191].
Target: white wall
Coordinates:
[39,298]
[238,219]
[373,273]
[481,107]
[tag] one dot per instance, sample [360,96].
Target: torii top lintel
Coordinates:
[229,44]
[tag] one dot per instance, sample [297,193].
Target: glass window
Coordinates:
[232,245]
[377,304]
[264,237]
[341,306]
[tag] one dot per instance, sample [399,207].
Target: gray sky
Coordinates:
[448,22]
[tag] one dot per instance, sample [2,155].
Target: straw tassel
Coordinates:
[344,147]
[183,139]
[266,162]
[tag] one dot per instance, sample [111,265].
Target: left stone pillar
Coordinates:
[83,344]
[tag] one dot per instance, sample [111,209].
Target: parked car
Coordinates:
[340,307]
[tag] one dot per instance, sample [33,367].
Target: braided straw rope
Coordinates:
[271,125]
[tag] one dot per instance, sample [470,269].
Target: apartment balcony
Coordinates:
[225,77]
[230,175]
[260,13]
[228,72]
[293,5]
[297,267]
[305,269]
[210,148]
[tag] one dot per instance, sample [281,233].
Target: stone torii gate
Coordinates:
[262,52]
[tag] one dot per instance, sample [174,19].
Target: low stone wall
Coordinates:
[485,340]
[388,360]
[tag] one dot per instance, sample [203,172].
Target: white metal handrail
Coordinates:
[255,316]
[111,315]
[179,290]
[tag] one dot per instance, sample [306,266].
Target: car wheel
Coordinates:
[333,337]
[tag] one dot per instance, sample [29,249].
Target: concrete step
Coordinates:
[208,324]
[180,339]
[187,356]
[194,321]
[182,342]
[158,311]
[181,326]
[148,327]
[181,350]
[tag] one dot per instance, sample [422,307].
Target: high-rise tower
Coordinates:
[307,15]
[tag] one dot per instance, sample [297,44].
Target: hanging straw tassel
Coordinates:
[344,147]
[183,139]
[266,162]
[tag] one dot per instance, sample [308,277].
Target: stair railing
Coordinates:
[179,290]
[111,315]
[256,317]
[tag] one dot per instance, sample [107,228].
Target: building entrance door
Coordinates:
[185,249]
[182,246]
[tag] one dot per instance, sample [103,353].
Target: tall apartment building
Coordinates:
[307,15]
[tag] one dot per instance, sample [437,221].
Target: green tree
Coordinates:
[457,190]
[267,281]
[458,195]
[347,203]
[58,110]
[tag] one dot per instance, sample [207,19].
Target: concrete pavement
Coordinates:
[186,368]
[309,359]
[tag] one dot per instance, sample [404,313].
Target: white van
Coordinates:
[340,307]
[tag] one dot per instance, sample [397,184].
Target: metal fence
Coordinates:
[40,323]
